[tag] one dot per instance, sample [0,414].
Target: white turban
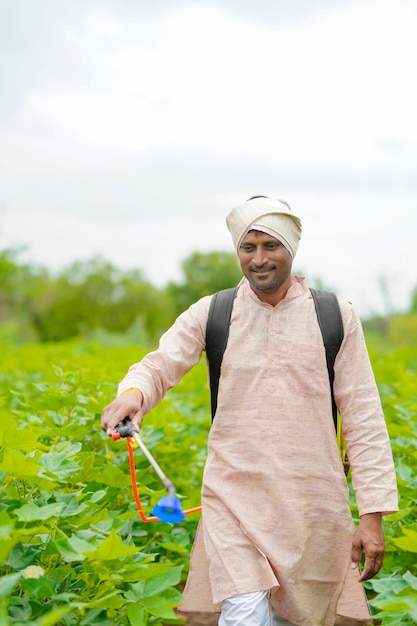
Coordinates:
[273,217]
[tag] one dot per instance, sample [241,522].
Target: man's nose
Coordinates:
[259,257]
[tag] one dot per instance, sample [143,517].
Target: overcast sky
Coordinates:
[129,128]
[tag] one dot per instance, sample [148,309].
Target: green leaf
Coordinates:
[111,548]
[58,465]
[70,548]
[21,556]
[407,542]
[52,618]
[7,539]
[98,495]
[154,571]
[71,506]
[64,597]
[31,512]
[6,546]
[137,615]
[113,477]
[38,588]
[395,517]
[6,525]
[112,600]
[173,547]
[11,436]
[158,584]
[142,572]
[18,464]
[8,583]
[391,585]
[411,580]
[159,606]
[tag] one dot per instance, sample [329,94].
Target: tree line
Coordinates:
[90,296]
[96,299]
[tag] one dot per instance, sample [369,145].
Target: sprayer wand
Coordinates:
[168,508]
[128,430]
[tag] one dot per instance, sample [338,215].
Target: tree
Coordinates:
[204,273]
[413,307]
[19,283]
[95,294]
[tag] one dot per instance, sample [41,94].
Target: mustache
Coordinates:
[261,268]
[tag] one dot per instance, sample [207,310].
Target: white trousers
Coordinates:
[250,609]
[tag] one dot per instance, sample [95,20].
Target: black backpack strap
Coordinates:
[331,326]
[217,333]
[218,323]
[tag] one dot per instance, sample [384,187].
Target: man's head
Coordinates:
[266,236]
[266,215]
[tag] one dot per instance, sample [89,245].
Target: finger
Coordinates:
[137,420]
[356,553]
[105,416]
[367,571]
[112,416]
[127,405]
[116,419]
[133,414]
[111,421]
[372,567]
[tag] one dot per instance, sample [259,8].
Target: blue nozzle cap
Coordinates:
[169,510]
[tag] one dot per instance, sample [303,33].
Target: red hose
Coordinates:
[143,517]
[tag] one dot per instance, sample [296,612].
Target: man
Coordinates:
[276,542]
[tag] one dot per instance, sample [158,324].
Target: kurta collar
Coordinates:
[298,288]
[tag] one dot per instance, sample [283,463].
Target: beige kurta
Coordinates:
[275,502]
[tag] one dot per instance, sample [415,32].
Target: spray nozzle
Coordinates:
[169,510]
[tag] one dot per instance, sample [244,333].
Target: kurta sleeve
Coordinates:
[180,348]
[363,423]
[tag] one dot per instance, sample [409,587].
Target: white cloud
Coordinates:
[148,117]
[323,90]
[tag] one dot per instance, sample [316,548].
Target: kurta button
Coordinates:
[273,332]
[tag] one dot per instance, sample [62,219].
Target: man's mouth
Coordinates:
[262,270]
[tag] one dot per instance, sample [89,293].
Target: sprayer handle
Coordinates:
[124,429]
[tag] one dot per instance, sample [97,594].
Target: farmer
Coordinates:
[276,543]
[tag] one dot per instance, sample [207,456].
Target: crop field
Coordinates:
[73,549]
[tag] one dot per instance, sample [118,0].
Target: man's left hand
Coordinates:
[369,539]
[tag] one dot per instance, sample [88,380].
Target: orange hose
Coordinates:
[143,517]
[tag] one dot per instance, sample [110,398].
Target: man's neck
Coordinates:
[274,296]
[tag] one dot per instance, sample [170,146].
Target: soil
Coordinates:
[211,619]
[199,619]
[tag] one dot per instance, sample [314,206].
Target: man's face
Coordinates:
[265,262]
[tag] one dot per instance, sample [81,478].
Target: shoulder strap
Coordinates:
[331,326]
[328,315]
[217,333]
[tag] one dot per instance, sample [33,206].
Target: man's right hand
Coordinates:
[128,404]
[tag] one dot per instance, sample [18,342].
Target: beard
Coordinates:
[265,285]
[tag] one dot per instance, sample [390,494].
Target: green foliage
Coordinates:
[92,295]
[17,280]
[397,330]
[403,330]
[396,586]
[73,549]
[94,299]
[413,307]
[204,274]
